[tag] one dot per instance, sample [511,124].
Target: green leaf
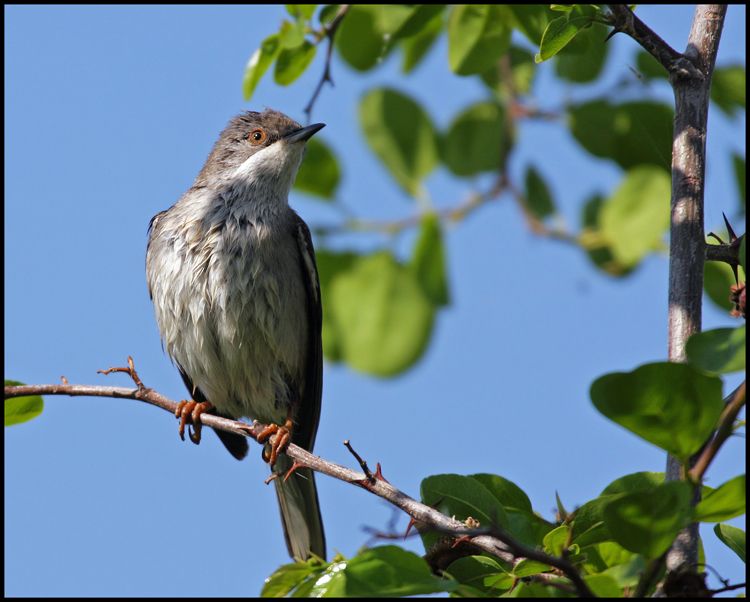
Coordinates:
[527,527]
[637,481]
[478,35]
[421,18]
[485,574]
[428,261]
[721,350]
[740,170]
[401,134]
[635,218]
[358,39]
[582,60]
[507,492]
[292,62]
[631,133]
[306,11]
[21,409]
[558,34]
[733,538]
[593,242]
[723,503]
[328,13]
[673,406]
[385,571]
[527,567]
[319,173]
[538,197]
[531,20]
[288,577]
[382,318]
[415,47]
[555,541]
[728,88]
[478,140]
[717,278]
[646,522]
[259,63]
[331,266]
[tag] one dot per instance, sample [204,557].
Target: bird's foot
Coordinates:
[282,435]
[189,412]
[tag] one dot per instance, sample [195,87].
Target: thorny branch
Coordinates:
[489,539]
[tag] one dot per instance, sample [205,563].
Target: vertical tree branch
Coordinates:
[687,240]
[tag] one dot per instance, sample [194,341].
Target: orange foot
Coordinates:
[189,412]
[280,441]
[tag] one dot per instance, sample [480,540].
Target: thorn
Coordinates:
[611,34]
[732,235]
[273,477]
[379,474]
[294,467]
[460,540]
[63,380]
[412,522]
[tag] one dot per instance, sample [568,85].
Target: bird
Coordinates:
[232,276]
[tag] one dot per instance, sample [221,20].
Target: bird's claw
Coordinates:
[281,440]
[189,412]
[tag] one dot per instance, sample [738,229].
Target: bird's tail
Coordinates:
[300,511]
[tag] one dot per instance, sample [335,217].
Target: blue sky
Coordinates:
[109,115]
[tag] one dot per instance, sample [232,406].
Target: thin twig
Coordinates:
[491,540]
[727,588]
[329,33]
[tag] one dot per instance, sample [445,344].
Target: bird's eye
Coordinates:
[257,137]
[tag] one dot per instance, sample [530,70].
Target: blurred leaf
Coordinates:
[558,34]
[593,242]
[673,406]
[428,261]
[478,140]
[649,67]
[485,574]
[21,409]
[306,11]
[292,62]
[332,265]
[401,134]
[733,538]
[415,47]
[319,173]
[538,196]
[723,503]
[328,13]
[627,573]
[384,571]
[527,527]
[646,522]
[721,350]
[740,171]
[383,320]
[531,20]
[507,492]
[421,18]
[478,34]
[635,218]
[717,278]
[631,133]
[582,60]
[637,481]
[603,586]
[728,88]
[522,71]
[358,39]
[291,34]
[259,63]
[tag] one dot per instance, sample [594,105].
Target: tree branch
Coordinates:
[329,32]
[490,539]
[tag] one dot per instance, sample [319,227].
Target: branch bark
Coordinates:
[490,538]
[687,249]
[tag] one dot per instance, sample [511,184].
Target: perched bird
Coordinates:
[232,275]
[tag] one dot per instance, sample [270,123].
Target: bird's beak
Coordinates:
[305,133]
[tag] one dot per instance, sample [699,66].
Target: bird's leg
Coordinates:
[189,412]
[280,441]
